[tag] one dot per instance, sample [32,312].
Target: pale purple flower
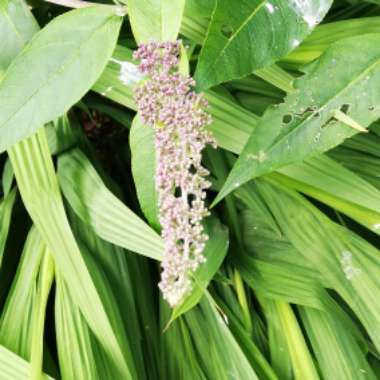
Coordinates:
[167,103]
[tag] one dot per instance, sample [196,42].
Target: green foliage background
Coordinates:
[291,284]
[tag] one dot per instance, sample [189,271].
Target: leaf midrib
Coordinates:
[245,22]
[14,27]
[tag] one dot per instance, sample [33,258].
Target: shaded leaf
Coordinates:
[6,207]
[141,140]
[17,316]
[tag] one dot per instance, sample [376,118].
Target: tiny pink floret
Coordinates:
[167,103]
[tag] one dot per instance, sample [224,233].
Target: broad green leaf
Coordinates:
[306,123]
[17,25]
[195,20]
[67,57]
[110,219]
[254,35]
[141,141]
[157,20]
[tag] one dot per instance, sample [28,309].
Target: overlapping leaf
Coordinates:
[247,36]
[67,57]
[305,124]
[158,20]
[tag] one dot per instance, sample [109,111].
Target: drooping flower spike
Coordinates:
[167,103]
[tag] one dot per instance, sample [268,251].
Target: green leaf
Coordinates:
[349,263]
[7,177]
[12,367]
[6,207]
[158,20]
[329,182]
[328,33]
[67,57]
[302,361]
[110,219]
[38,184]
[338,353]
[253,36]
[77,360]
[17,25]
[123,273]
[43,288]
[141,140]
[305,124]
[17,316]
[210,344]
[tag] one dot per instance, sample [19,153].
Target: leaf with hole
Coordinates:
[307,122]
[254,35]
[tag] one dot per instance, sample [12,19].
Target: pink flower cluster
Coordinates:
[167,102]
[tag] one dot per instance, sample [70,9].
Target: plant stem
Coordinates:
[72,3]
[120,9]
